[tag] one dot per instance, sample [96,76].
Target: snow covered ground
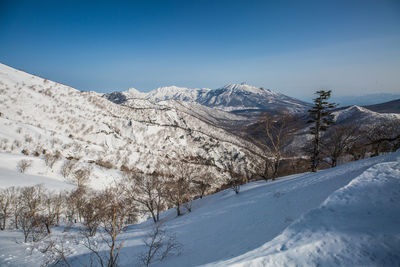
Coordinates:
[348,215]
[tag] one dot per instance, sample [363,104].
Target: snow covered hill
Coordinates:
[348,216]
[363,116]
[232,97]
[39,117]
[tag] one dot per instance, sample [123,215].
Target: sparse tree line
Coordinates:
[35,211]
[330,144]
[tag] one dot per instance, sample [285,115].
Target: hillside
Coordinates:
[40,117]
[363,116]
[346,215]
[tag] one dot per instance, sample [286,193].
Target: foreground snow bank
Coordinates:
[340,216]
[357,225]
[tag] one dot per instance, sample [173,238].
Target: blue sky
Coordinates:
[295,47]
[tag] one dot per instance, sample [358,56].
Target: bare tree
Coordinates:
[237,171]
[92,212]
[116,209]
[57,251]
[75,203]
[50,158]
[145,189]
[81,176]
[384,137]
[236,177]
[68,167]
[16,206]
[53,204]
[178,188]
[159,245]
[273,134]
[203,183]
[7,197]
[337,140]
[29,219]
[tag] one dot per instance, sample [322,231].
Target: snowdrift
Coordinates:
[348,215]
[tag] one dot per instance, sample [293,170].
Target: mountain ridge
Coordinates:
[231,97]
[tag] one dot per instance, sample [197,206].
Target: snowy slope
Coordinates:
[358,225]
[40,116]
[347,215]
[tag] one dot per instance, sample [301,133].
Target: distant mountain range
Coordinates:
[232,98]
[39,115]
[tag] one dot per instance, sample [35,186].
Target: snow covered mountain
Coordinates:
[40,117]
[161,94]
[237,97]
[232,98]
[363,116]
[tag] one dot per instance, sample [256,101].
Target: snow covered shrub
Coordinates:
[28,138]
[236,178]
[25,151]
[81,176]
[23,165]
[50,158]
[105,164]
[57,251]
[68,167]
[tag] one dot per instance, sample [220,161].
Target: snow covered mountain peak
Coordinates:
[244,87]
[134,93]
[176,93]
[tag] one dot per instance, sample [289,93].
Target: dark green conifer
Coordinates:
[321,116]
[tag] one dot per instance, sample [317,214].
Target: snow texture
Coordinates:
[348,215]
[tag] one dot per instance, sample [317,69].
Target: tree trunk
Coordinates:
[16,221]
[276,166]
[315,157]
[266,167]
[3,227]
[334,162]
[48,228]
[178,209]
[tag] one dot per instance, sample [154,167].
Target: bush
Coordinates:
[23,165]
[159,245]
[67,167]
[50,159]
[105,164]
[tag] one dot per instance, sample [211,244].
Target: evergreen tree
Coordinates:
[320,115]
